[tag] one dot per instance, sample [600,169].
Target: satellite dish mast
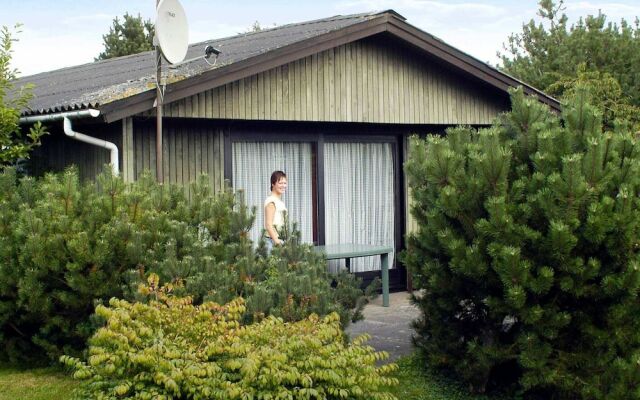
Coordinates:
[172,41]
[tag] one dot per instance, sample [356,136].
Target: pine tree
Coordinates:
[66,245]
[553,56]
[528,253]
[132,36]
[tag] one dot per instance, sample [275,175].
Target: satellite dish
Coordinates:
[172,30]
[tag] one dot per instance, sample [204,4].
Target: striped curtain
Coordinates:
[359,198]
[253,163]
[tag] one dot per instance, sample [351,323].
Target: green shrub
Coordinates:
[65,245]
[170,349]
[291,283]
[528,251]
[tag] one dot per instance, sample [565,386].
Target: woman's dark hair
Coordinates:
[275,178]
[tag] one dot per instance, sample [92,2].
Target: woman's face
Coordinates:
[281,186]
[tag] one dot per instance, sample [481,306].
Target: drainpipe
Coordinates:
[68,130]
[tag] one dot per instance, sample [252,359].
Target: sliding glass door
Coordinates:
[359,197]
[252,165]
[342,188]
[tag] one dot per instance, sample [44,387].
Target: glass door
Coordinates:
[252,165]
[359,198]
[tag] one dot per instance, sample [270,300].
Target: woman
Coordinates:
[274,209]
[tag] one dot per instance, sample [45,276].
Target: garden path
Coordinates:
[389,327]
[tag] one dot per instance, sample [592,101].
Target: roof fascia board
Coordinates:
[144,101]
[384,23]
[463,61]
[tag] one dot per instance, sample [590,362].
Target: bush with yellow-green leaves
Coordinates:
[169,348]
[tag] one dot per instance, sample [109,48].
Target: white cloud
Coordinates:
[435,9]
[84,19]
[614,11]
[206,30]
[479,27]
[476,28]
[36,52]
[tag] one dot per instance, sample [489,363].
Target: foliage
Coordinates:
[528,252]
[605,92]
[291,283]
[132,36]
[546,54]
[257,27]
[414,384]
[15,144]
[170,348]
[66,245]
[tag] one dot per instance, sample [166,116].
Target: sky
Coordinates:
[62,33]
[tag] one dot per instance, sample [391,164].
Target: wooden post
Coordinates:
[159,171]
[384,266]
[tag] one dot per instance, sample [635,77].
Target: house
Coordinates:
[331,102]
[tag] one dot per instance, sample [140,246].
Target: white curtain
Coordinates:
[358,195]
[253,163]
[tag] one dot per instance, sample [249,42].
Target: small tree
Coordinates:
[65,245]
[132,36]
[15,144]
[606,93]
[550,54]
[257,27]
[528,252]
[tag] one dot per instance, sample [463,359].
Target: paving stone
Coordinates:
[389,327]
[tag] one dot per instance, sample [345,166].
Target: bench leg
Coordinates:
[384,265]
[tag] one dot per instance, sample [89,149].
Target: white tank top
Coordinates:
[278,218]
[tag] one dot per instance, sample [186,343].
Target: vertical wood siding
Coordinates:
[363,81]
[128,158]
[188,151]
[59,151]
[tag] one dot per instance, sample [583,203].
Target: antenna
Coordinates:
[172,30]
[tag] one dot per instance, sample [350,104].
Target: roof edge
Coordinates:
[385,21]
[464,61]
[248,67]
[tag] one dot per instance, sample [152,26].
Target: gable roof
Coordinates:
[124,86]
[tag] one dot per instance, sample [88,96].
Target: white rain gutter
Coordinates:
[68,130]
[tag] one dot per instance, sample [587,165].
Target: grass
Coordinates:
[34,384]
[52,383]
[418,384]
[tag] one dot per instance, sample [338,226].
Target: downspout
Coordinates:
[68,130]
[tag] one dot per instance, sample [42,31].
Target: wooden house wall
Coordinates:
[370,80]
[188,151]
[59,151]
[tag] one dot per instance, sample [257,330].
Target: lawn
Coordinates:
[50,383]
[417,384]
[34,384]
